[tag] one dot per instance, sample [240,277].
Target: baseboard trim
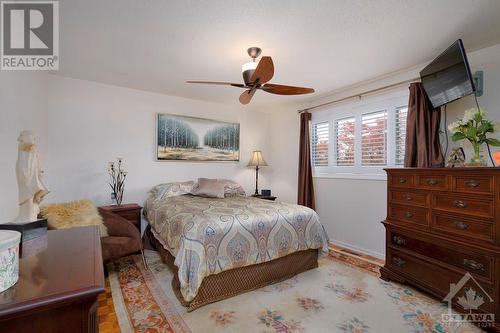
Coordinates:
[358,249]
[369,256]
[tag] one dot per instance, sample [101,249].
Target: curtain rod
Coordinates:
[360,94]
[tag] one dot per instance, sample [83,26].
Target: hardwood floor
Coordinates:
[108,322]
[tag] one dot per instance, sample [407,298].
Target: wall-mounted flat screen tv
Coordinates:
[448,77]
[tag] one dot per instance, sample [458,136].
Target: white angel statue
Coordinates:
[29,174]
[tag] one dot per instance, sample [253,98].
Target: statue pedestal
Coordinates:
[33,235]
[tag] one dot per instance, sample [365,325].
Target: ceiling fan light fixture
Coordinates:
[256,75]
[249,66]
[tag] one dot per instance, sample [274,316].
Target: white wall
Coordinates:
[351,209]
[92,123]
[23,105]
[284,131]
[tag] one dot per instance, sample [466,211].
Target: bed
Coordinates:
[218,248]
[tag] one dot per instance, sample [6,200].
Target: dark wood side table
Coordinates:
[265,197]
[58,287]
[131,212]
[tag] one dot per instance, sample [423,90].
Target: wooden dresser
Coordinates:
[441,224]
[58,286]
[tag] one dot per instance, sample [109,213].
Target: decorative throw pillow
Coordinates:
[163,191]
[73,214]
[210,188]
[232,189]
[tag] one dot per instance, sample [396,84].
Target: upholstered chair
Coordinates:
[124,238]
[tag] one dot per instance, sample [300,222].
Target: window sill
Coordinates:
[366,176]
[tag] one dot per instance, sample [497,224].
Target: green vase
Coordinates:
[477,159]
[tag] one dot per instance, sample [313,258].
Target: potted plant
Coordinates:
[474,127]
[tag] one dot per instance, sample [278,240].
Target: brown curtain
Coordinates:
[306,188]
[423,149]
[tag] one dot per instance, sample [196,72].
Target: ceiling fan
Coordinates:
[255,77]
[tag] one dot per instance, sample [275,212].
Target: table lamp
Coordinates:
[257,161]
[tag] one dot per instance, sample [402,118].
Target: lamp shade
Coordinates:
[249,66]
[257,159]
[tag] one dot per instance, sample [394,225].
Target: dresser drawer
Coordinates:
[400,179]
[409,198]
[465,205]
[472,184]
[408,214]
[431,182]
[463,227]
[435,277]
[464,259]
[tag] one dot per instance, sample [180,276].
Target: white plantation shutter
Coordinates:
[344,139]
[374,138]
[319,142]
[359,139]
[401,115]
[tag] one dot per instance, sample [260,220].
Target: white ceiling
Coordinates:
[156,45]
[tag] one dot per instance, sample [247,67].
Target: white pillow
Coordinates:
[209,188]
[232,189]
[167,190]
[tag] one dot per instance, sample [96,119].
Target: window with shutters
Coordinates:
[344,142]
[366,136]
[401,114]
[320,138]
[373,138]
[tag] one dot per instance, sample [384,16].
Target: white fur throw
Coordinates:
[73,214]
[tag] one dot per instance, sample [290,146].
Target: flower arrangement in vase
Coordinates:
[117,180]
[474,127]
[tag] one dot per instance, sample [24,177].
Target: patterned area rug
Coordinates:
[336,297]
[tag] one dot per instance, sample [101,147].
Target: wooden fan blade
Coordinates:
[264,71]
[239,85]
[246,96]
[280,89]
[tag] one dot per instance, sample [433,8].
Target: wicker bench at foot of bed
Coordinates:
[239,280]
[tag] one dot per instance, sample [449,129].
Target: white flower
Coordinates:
[454,126]
[469,115]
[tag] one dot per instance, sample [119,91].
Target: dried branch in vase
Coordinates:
[117,180]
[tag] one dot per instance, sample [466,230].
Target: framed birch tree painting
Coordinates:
[180,138]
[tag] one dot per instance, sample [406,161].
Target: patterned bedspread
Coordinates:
[208,236]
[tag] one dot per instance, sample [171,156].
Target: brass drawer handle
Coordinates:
[408,215]
[460,204]
[432,181]
[472,183]
[461,225]
[474,265]
[398,262]
[399,240]
[408,197]
[402,180]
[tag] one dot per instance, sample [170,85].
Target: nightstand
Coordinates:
[265,197]
[131,212]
